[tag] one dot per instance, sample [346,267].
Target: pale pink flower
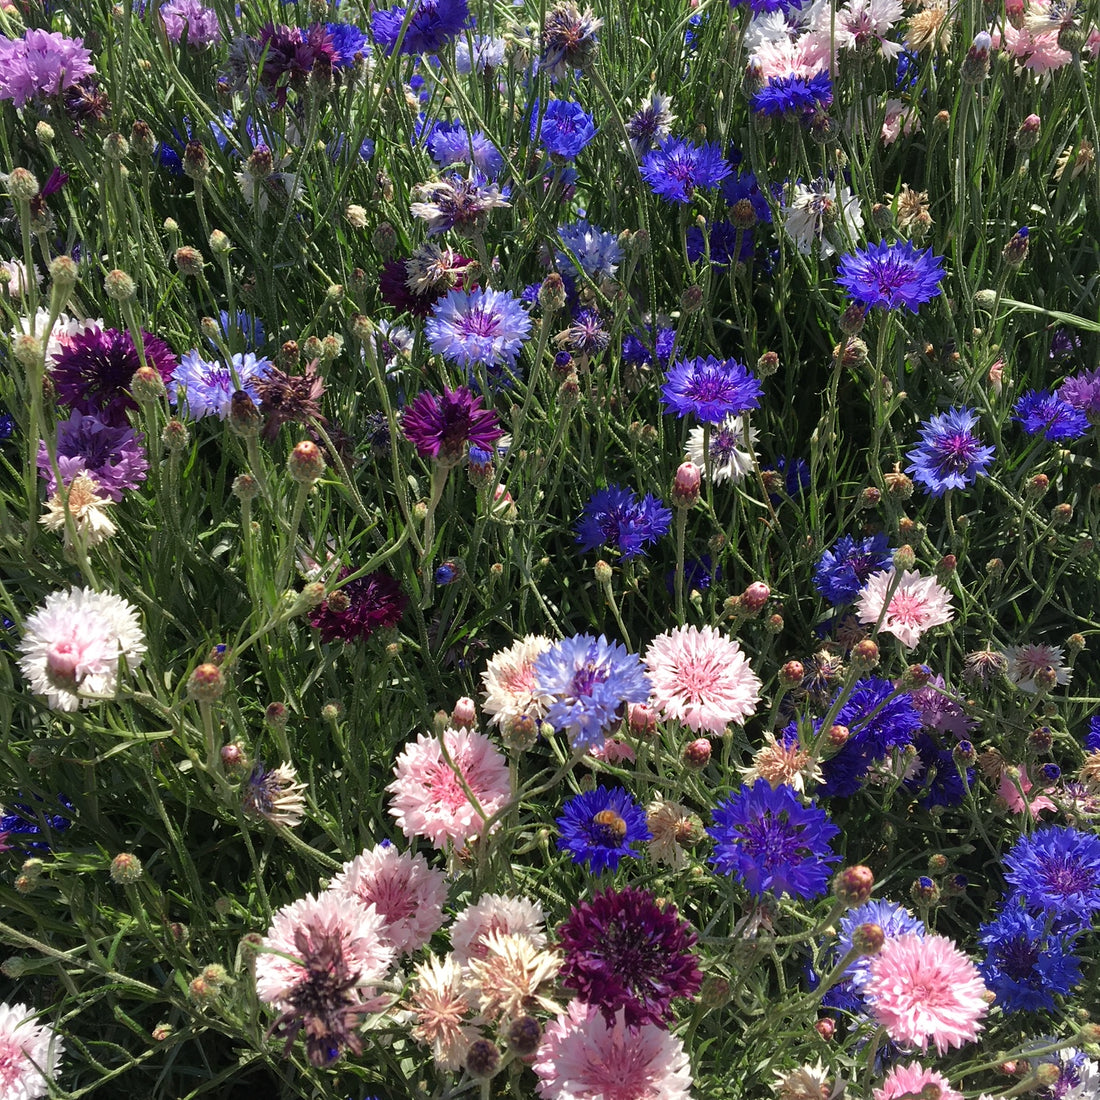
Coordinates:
[805,57]
[509,980]
[441,1004]
[309,924]
[614,750]
[582,1058]
[916,604]
[672,825]
[509,680]
[495,913]
[898,119]
[910,1079]
[30,1054]
[782,764]
[1038,52]
[428,798]
[1009,793]
[407,893]
[859,23]
[1024,661]
[701,678]
[925,989]
[73,646]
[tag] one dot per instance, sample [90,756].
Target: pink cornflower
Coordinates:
[30,1054]
[406,892]
[1025,661]
[1038,52]
[41,63]
[1010,794]
[701,678]
[926,989]
[509,680]
[910,1080]
[916,604]
[495,913]
[584,1058]
[428,798]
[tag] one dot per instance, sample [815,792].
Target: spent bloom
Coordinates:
[442,427]
[441,1005]
[950,455]
[458,202]
[822,215]
[206,388]
[113,456]
[891,275]
[275,795]
[710,389]
[600,827]
[568,39]
[904,607]
[30,1054]
[481,326]
[89,511]
[41,64]
[616,518]
[676,169]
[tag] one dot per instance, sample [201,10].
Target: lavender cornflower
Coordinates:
[1082,391]
[563,129]
[950,455]
[488,54]
[596,251]
[616,518]
[208,387]
[1056,873]
[113,456]
[458,203]
[432,24]
[568,40]
[1049,413]
[190,17]
[479,326]
[450,143]
[711,389]
[795,96]
[442,427]
[675,169]
[41,64]
[843,570]
[891,275]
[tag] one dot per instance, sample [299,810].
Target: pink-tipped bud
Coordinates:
[206,683]
[853,885]
[642,719]
[464,714]
[1027,136]
[937,863]
[231,755]
[868,939]
[826,1028]
[755,596]
[792,674]
[277,715]
[696,754]
[685,485]
[838,735]
[865,654]
[306,463]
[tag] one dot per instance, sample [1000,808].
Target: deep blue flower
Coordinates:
[1092,738]
[590,679]
[675,169]
[1026,964]
[434,23]
[595,250]
[724,242]
[1049,413]
[636,351]
[250,327]
[794,95]
[748,204]
[760,7]
[710,388]
[908,70]
[699,574]
[7,426]
[843,570]
[564,129]
[616,518]
[1056,872]
[796,477]
[30,826]
[938,783]
[600,827]
[347,41]
[950,455]
[772,843]
[891,275]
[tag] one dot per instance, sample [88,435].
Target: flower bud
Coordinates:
[767,364]
[696,754]
[206,684]
[520,733]
[916,676]
[691,300]
[219,243]
[602,572]
[641,719]
[482,1059]
[288,356]
[146,386]
[175,436]
[244,417]
[975,66]
[685,485]
[119,286]
[1061,514]
[1027,136]
[196,164]
[868,938]
[904,558]
[838,735]
[853,885]
[27,350]
[44,132]
[552,293]
[141,139]
[924,891]
[115,147]
[1015,252]
[865,654]
[306,463]
[64,274]
[231,756]
[523,1035]
[825,1027]
[464,714]
[755,596]
[22,185]
[898,485]
[792,674]
[125,868]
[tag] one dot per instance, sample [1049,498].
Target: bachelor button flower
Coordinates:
[650,125]
[208,387]
[891,275]
[482,326]
[564,129]
[30,1054]
[724,244]
[820,215]
[457,202]
[1082,391]
[722,455]
[1050,413]
[916,604]
[772,843]
[950,455]
[589,679]
[912,1079]
[451,143]
[347,41]
[794,95]
[843,570]
[368,603]
[32,827]
[41,64]
[625,953]
[596,251]
[1024,662]
[441,427]
[712,389]
[568,39]
[189,16]
[488,54]
[675,169]
[513,916]
[1056,873]
[112,456]
[432,25]
[616,518]
[509,682]
[600,827]
[275,795]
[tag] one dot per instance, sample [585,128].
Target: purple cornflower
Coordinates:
[710,388]
[844,569]
[111,454]
[585,336]
[625,952]
[675,169]
[450,143]
[1056,872]
[432,25]
[1083,392]
[616,518]
[637,353]
[1092,738]
[92,375]
[564,129]
[458,203]
[1042,411]
[208,387]
[650,125]
[772,843]
[761,7]
[724,244]
[891,275]
[190,17]
[366,604]
[41,63]
[589,679]
[483,326]
[600,827]
[939,711]
[290,56]
[568,40]
[596,251]
[442,427]
[794,95]
[950,455]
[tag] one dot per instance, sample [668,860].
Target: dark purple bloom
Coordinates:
[950,455]
[442,427]
[891,275]
[92,375]
[1056,872]
[1092,738]
[1049,413]
[564,129]
[675,169]
[794,95]
[111,454]
[359,608]
[616,518]
[416,287]
[796,476]
[624,951]
[433,24]
[1083,393]
[290,56]
[843,570]
[600,827]
[710,388]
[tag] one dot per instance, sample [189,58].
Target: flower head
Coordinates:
[41,64]
[772,843]
[843,570]
[192,18]
[112,455]
[821,215]
[441,1004]
[725,453]
[600,827]
[372,602]
[783,761]
[483,326]
[1056,873]
[88,509]
[1050,413]
[461,203]
[568,39]
[650,124]
[275,795]
[914,605]
[509,680]
[597,252]
[794,95]
[30,1054]
[450,143]
[926,990]
[564,128]
[676,169]
[624,952]
[891,275]
[1025,662]
[950,455]
[508,979]
[432,24]
[442,427]
[911,1080]
[1082,391]
[208,386]
[616,518]
[495,913]
[710,389]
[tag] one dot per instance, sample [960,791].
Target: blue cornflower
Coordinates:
[488,53]
[1026,964]
[748,204]
[950,455]
[7,425]
[616,518]
[24,822]
[1092,738]
[794,95]
[434,23]
[636,353]
[938,782]
[589,679]
[596,251]
[843,570]
[250,327]
[699,574]
[564,128]
[1056,872]
[891,275]
[600,827]
[772,843]
[724,243]
[710,388]
[450,143]
[478,326]
[347,41]
[208,386]
[796,477]
[1046,412]
[675,169]
[761,7]
[908,70]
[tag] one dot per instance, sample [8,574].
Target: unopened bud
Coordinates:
[755,596]
[196,164]
[826,1028]
[975,66]
[119,286]
[865,654]
[464,714]
[696,754]
[868,938]
[602,572]
[641,719]
[206,683]
[188,261]
[904,558]
[244,417]
[685,485]
[147,386]
[838,735]
[924,891]
[22,185]
[1061,514]
[384,239]
[1027,136]
[125,868]
[64,273]
[1015,252]
[552,293]
[306,463]
[141,139]
[219,243]
[692,299]
[175,436]
[523,1035]
[231,756]
[853,885]
[792,674]
[482,1059]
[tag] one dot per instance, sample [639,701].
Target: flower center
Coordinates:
[907,608]
[956,451]
[478,322]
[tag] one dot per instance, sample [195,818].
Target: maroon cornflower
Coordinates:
[92,375]
[417,283]
[360,607]
[441,427]
[291,54]
[289,398]
[624,951]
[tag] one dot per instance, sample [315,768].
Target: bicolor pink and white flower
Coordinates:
[30,1054]
[907,607]
[495,913]
[1026,661]
[509,680]
[910,1080]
